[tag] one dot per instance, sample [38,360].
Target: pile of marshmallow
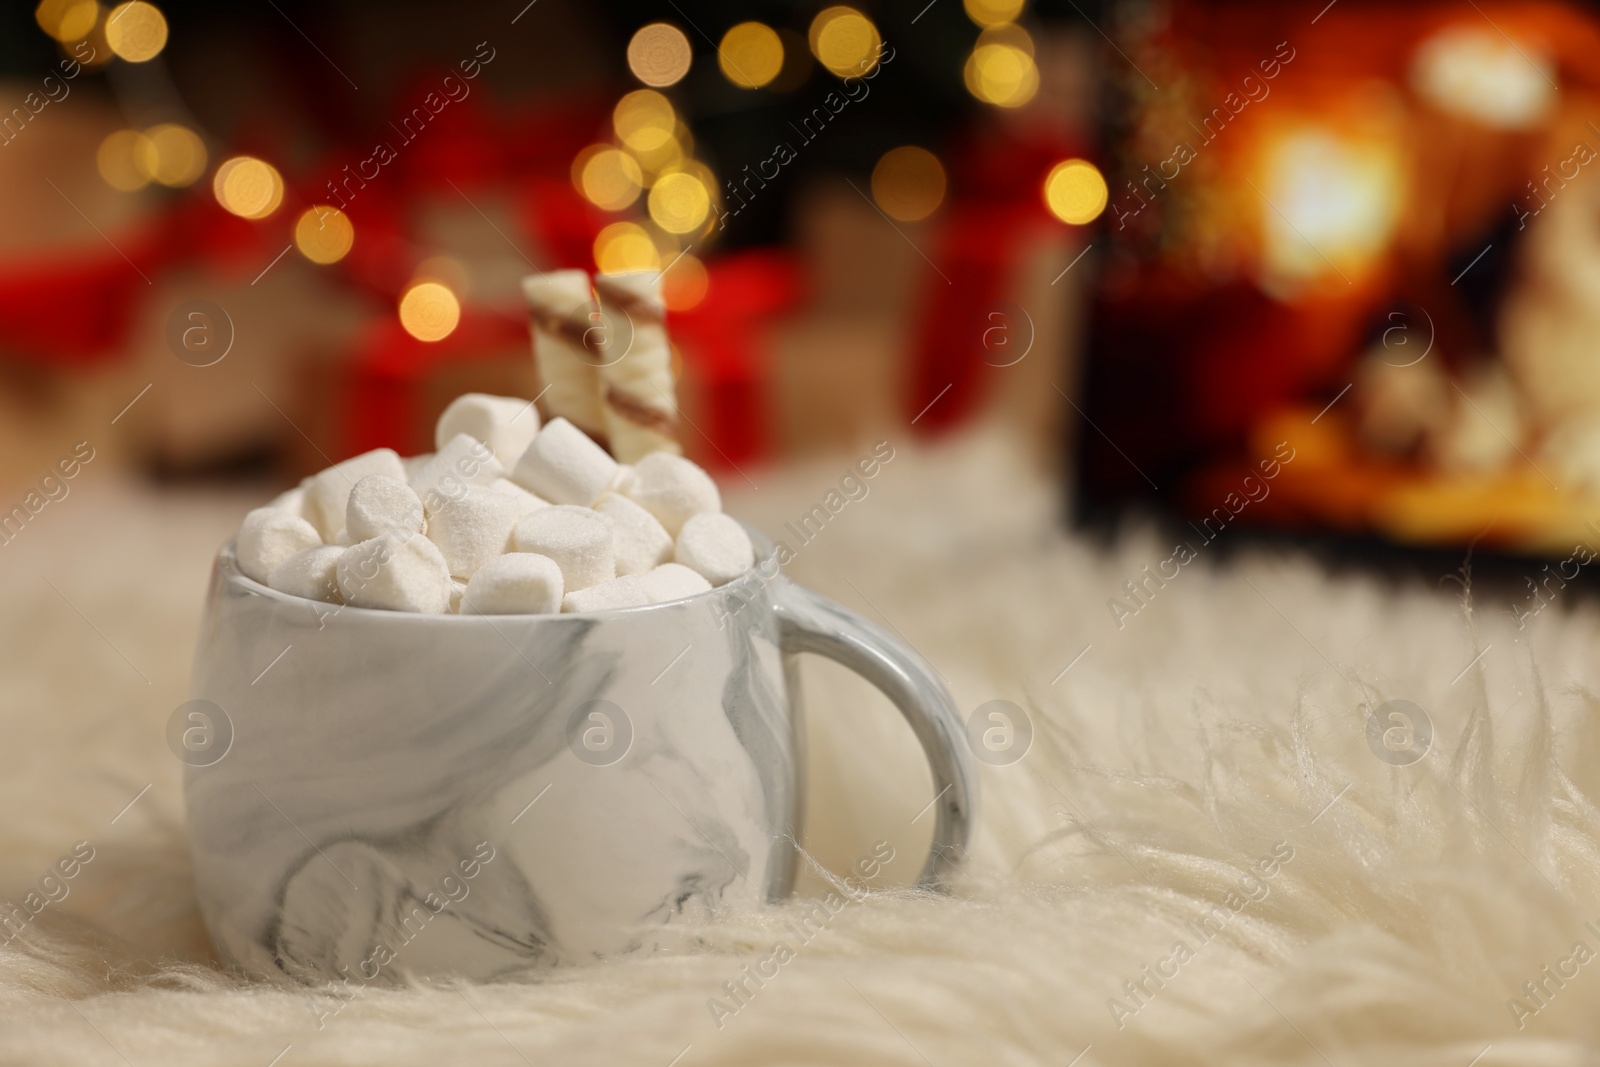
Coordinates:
[507,517]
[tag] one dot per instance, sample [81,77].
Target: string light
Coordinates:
[136,31]
[644,120]
[908,183]
[1001,70]
[623,247]
[659,55]
[750,55]
[324,234]
[248,187]
[429,311]
[1075,191]
[125,160]
[607,177]
[179,155]
[993,12]
[845,41]
[67,20]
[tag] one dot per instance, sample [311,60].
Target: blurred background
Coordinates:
[1164,244]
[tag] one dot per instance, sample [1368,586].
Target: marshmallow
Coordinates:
[413,464]
[474,529]
[672,488]
[716,547]
[565,346]
[564,466]
[327,492]
[528,500]
[291,500]
[518,583]
[504,423]
[460,462]
[639,542]
[672,581]
[579,540]
[625,592]
[309,573]
[636,395]
[380,504]
[457,588]
[396,572]
[268,537]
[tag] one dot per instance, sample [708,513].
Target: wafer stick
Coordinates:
[566,344]
[637,397]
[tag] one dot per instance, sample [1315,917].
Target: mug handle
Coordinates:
[810,622]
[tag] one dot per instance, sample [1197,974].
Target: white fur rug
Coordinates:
[1200,799]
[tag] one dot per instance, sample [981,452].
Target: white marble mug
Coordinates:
[434,795]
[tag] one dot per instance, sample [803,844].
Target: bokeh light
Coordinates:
[126,160]
[607,177]
[623,247]
[1001,70]
[324,234]
[67,20]
[429,311]
[750,55]
[1075,191]
[993,12]
[1485,77]
[136,31]
[908,183]
[659,55]
[644,120]
[685,283]
[670,154]
[179,155]
[845,41]
[679,202]
[248,187]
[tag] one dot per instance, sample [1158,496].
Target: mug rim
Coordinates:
[226,557]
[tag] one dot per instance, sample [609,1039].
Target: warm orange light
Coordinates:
[67,20]
[248,187]
[429,311]
[180,155]
[1001,70]
[908,183]
[607,177]
[679,202]
[136,31]
[659,55]
[625,246]
[685,283]
[644,120]
[845,41]
[324,234]
[993,12]
[1075,191]
[126,160]
[751,55]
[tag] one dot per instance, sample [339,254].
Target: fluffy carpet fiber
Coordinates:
[1200,859]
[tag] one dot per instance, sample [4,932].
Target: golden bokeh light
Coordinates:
[644,120]
[67,20]
[248,187]
[679,202]
[908,183]
[845,41]
[669,155]
[685,283]
[993,12]
[126,160]
[1075,192]
[429,311]
[659,55]
[608,177]
[136,31]
[623,247]
[750,55]
[180,155]
[1003,74]
[324,234]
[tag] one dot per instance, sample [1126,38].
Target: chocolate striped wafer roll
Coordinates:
[566,346]
[637,395]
